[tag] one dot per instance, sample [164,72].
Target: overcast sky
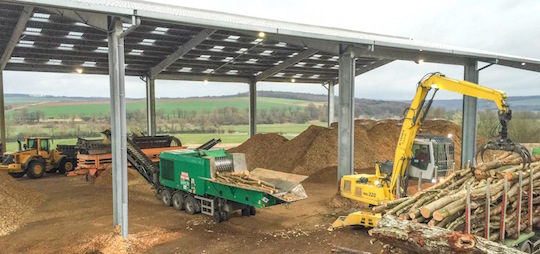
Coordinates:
[502,26]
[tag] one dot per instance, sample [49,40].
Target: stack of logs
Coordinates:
[243,179]
[443,205]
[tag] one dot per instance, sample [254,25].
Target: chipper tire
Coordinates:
[166,197]
[192,205]
[178,200]
[35,169]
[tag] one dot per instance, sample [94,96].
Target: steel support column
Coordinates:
[118,126]
[252,108]
[469,121]
[346,114]
[150,106]
[2,113]
[331,102]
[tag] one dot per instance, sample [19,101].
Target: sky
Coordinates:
[502,26]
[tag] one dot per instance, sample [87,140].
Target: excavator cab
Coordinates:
[432,157]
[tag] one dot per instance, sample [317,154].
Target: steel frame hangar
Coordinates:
[156,41]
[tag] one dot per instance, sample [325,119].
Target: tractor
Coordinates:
[34,158]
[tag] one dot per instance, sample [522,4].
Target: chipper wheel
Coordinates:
[35,169]
[166,197]
[178,200]
[192,205]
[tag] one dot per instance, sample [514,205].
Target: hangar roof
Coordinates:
[174,42]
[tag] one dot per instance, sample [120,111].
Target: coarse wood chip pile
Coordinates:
[443,205]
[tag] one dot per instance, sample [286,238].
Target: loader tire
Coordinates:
[178,200]
[192,205]
[17,174]
[166,197]
[35,169]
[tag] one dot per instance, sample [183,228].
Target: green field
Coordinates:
[168,106]
[288,130]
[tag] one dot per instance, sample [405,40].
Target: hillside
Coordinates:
[63,107]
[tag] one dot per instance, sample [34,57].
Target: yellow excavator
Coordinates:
[390,179]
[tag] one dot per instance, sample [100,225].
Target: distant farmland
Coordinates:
[101,107]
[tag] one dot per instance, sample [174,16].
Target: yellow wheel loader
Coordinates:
[34,158]
[390,179]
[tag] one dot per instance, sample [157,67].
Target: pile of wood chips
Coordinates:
[243,179]
[17,203]
[443,205]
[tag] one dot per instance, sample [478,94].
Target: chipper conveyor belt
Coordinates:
[141,163]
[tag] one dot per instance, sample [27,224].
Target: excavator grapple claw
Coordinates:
[509,146]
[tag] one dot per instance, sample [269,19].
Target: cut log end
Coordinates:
[426,212]
[438,216]
[461,242]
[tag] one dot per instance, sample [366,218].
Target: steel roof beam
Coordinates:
[95,20]
[287,63]
[16,35]
[181,51]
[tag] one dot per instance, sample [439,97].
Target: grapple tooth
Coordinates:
[482,151]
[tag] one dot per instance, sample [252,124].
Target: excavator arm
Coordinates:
[419,108]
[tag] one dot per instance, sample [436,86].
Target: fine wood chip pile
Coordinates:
[444,204]
[17,203]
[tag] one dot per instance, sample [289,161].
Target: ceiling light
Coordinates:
[205,81]
[419,61]
[262,34]
[79,70]
[293,80]
[523,64]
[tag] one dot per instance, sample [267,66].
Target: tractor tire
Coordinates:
[246,211]
[66,166]
[35,169]
[178,200]
[192,205]
[252,211]
[526,247]
[166,197]
[16,174]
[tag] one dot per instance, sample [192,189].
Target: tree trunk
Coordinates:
[421,238]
